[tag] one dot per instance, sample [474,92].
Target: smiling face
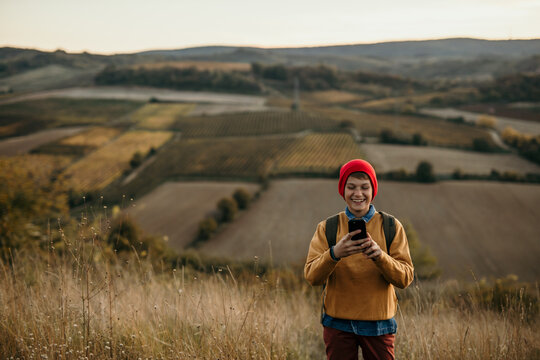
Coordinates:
[358,194]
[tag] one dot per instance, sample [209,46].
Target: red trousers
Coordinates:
[341,345]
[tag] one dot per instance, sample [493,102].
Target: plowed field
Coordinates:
[481,228]
[175,209]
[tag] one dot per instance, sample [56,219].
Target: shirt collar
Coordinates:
[366,217]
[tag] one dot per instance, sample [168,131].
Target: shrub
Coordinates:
[424,172]
[124,234]
[207,227]
[419,140]
[242,198]
[482,145]
[425,263]
[486,121]
[227,208]
[136,160]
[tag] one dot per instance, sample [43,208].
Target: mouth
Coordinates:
[356,201]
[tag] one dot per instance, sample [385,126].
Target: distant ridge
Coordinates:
[453,47]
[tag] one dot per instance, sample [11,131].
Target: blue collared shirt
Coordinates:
[361,327]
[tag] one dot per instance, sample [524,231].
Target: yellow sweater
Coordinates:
[358,288]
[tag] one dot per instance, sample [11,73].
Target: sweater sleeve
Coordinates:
[319,263]
[396,266]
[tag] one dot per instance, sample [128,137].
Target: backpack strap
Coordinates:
[331,230]
[389,227]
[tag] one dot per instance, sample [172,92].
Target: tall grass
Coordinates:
[85,304]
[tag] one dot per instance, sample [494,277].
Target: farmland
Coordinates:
[445,161]
[319,153]
[175,209]
[23,144]
[199,65]
[524,126]
[435,131]
[100,168]
[29,116]
[252,124]
[159,116]
[450,217]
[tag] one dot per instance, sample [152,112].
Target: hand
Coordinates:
[370,248]
[346,246]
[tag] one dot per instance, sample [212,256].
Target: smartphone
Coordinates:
[358,224]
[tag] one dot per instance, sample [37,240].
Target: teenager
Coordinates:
[359,301]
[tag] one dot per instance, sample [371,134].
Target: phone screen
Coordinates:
[358,224]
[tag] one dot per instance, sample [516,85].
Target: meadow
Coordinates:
[72,306]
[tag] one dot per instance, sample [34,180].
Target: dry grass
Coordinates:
[72,308]
[160,116]
[106,164]
[332,97]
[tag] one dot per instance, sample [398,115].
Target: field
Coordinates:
[29,116]
[319,153]
[386,157]
[23,144]
[435,131]
[159,116]
[72,308]
[139,94]
[252,124]
[50,77]
[332,97]
[100,168]
[175,209]
[81,143]
[450,217]
[416,100]
[523,111]
[524,126]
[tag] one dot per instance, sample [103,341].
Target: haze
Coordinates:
[116,26]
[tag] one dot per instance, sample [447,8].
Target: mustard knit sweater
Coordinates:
[358,288]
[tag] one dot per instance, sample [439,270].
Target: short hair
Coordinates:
[360,175]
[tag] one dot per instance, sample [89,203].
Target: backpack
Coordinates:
[389,227]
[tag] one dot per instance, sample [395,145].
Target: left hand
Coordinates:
[370,248]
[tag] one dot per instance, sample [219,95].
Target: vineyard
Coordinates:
[103,166]
[160,116]
[30,116]
[319,153]
[252,124]
[435,131]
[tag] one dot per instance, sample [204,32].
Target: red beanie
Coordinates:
[355,166]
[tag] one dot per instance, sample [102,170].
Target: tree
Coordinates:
[242,198]
[136,160]
[207,227]
[227,208]
[424,172]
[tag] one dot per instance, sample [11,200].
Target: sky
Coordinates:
[125,26]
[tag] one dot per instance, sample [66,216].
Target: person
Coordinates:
[359,300]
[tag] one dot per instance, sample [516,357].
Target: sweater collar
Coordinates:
[366,217]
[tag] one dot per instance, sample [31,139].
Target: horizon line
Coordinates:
[276,47]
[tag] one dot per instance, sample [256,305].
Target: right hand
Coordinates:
[347,247]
